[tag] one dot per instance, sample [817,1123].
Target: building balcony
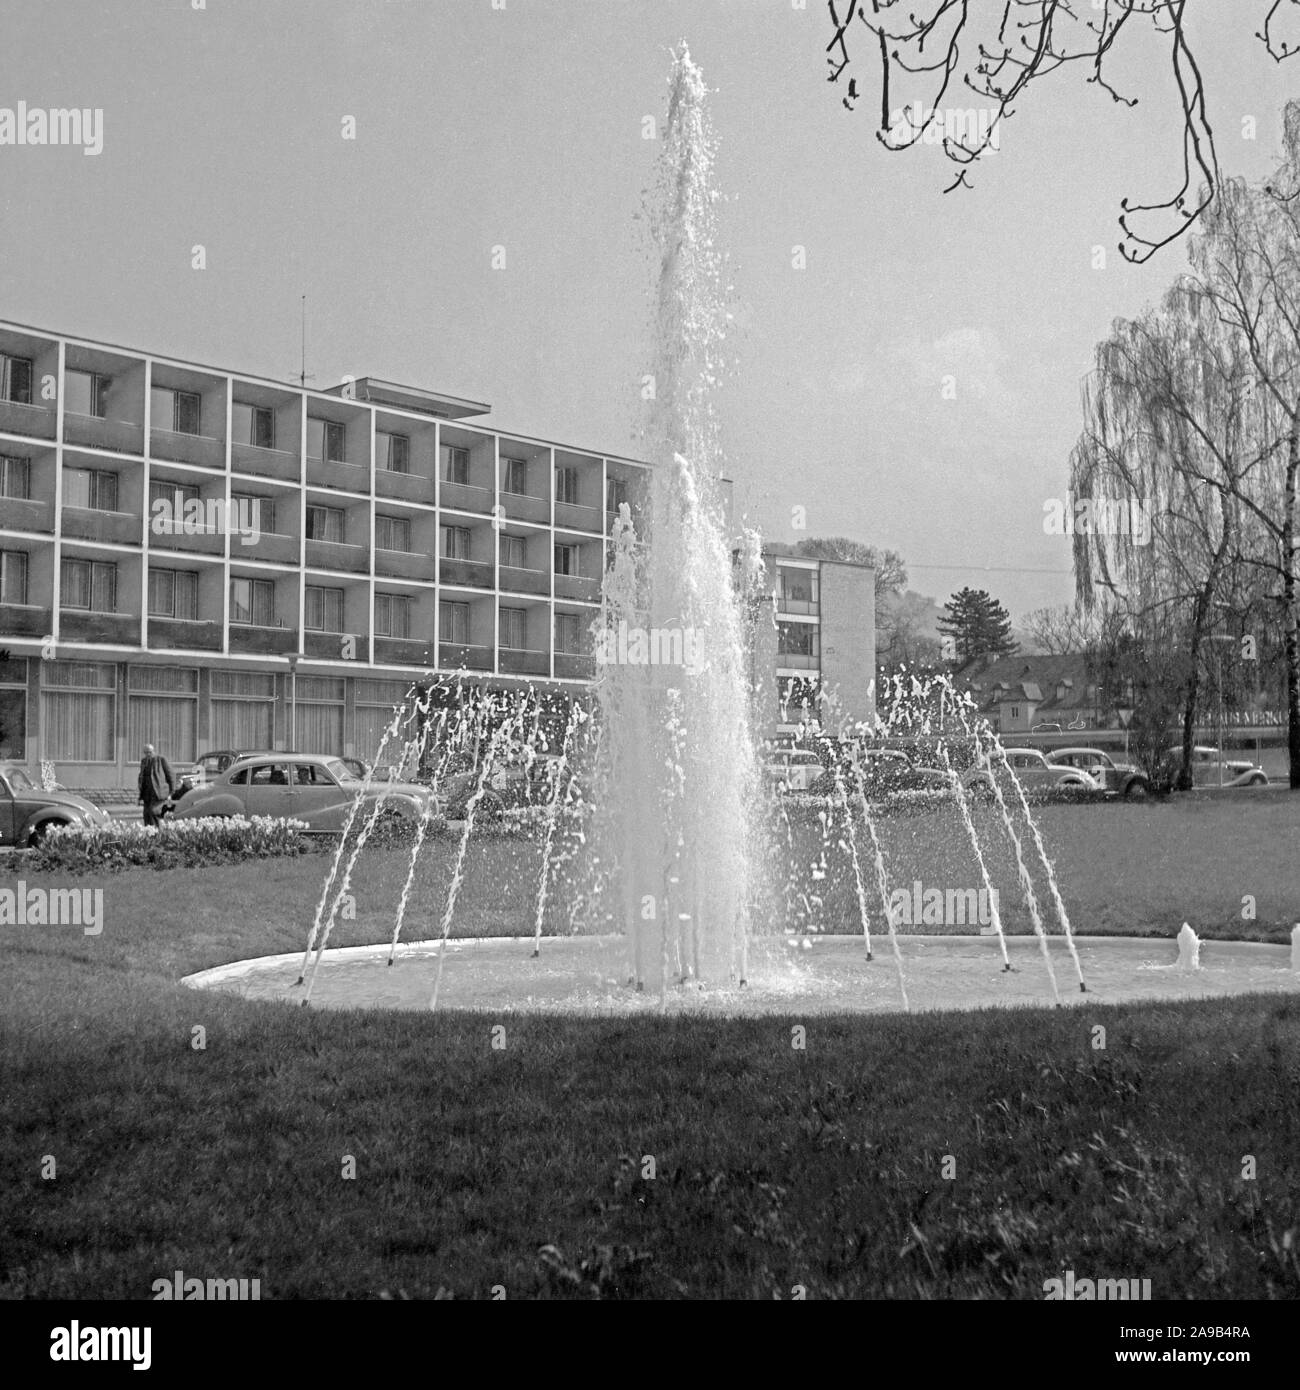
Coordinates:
[474,573]
[38,421]
[404,564]
[266,463]
[278,641]
[334,555]
[345,477]
[200,449]
[457,656]
[185,634]
[466,497]
[403,651]
[328,646]
[406,487]
[525,581]
[121,629]
[571,516]
[522,506]
[121,436]
[796,606]
[119,528]
[173,535]
[27,514]
[271,546]
[577,586]
[515,661]
[574,666]
[797,661]
[24,620]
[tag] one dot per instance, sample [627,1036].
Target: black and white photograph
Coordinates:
[649,651]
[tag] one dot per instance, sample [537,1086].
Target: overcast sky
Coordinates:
[521,127]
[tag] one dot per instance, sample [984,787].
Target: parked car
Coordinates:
[309,787]
[1032,769]
[509,785]
[791,769]
[1124,779]
[211,765]
[27,813]
[1212,769]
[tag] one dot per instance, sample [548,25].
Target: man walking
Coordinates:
[157,783]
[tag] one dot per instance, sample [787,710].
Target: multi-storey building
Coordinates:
[200,559]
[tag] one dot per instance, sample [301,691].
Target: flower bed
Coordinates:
[187,844]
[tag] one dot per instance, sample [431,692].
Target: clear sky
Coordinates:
[521,127]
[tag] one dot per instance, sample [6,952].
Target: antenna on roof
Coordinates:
[304,376]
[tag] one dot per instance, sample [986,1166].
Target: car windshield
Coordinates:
[340,771]
[19,780]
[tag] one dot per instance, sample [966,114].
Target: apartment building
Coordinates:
[200,558]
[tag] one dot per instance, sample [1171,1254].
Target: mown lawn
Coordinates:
[971,1155]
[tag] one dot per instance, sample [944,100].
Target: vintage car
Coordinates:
[1210,768]
[27,813]
[1032,770]
[310,787]
[1124,779]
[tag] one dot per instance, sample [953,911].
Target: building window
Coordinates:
[514,552]
[455,623]
[1015,711]
[797,585]
[16,379]
[514,476]
[615,493]
[566,485]
[15,477]
[253,424]
[13,709]
[455,465]
[262,509]
[86,393]
[392,452]
[392,615]
[325,524]
[78,711]
[455,542]
[393,533]
[568,633]
[173,594]
[13,576]
[514,628]
[324,609]
[177,411]
[252,602]
[797,639]
[92,489]
[326,441]
[90,585]
[174,496]
[567,559]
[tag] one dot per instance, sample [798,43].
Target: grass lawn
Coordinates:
[966,1155]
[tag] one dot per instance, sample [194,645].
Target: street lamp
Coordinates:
[294,658]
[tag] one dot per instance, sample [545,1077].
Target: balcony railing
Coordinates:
[525,581]
[27,513]
[270,545]
[786,603]
[403,651]
[347,477]
[577,586]
[466,497]
[121,436]
[457,656]
[404,564]
[409,487]
[474,573]
[121,528]
[177,535]
[523,506]
[76,625]
[574,666]
[329,645]
[37,420]
[247,637]
[185,633]
[797,661]
[334,555]
[575,517]
[518,662]
[24,620]
[266,463]
[200,449]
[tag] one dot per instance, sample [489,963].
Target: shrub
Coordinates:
[188,844]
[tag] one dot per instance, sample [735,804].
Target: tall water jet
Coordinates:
[679,803]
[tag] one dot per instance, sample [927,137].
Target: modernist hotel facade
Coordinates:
[396,535]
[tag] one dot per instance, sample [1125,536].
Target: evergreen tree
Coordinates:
[978,625]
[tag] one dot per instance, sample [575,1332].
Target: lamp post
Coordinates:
[294,659]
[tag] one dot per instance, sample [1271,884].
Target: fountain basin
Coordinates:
[587,975]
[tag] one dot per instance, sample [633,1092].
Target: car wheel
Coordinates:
[1137,790]
[1259,781]
[39,832]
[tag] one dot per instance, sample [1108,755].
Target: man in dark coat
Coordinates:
[157,783]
